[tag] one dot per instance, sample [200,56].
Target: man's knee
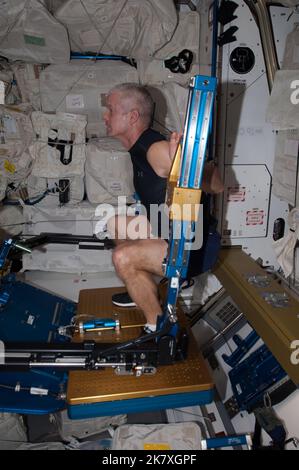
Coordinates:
[121,258]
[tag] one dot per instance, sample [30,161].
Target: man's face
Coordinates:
[115,117]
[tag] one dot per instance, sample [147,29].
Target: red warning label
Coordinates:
[255,217]
[236,194]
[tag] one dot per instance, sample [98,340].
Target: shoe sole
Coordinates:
[129,304]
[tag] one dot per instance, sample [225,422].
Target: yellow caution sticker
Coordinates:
[9,167]
[156,446]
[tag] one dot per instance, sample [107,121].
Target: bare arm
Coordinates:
[160,154]
[211,181]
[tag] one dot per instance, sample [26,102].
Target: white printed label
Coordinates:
[30,319]
[255,217]
[38,391]
[236,194]
[74,101]
[174,283]
[10,125]
[115,187]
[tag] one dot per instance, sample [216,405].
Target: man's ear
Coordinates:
[134,116]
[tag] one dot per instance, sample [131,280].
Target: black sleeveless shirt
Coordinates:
[150,187]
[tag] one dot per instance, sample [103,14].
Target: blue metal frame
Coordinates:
[136,405]
[197,128]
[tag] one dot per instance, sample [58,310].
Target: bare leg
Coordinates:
[121,228]
[135,262]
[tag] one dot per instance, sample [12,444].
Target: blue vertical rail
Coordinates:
[196,132]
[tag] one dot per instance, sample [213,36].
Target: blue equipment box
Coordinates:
[31,314]
[252,377]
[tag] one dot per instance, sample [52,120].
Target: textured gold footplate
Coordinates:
[190,375]
[271,309]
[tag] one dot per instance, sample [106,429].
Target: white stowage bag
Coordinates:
[80,87]
[177,436]
[37,187]
[11,221]
[289,3]
[16,135]
[154,72]
[12,428]
[170,106]
[80,219]
[285,247]
[285,165]
[53,5]
[29,32]
[27,77]
[59,149]
[3,186]
[120,27]
[282,111]
[108,172]
[84,428]
[291,52]
[186,36]
[11,92]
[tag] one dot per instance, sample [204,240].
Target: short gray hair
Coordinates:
[141,97]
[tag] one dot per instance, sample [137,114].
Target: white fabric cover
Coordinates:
[15,137]
[29,32]
[68,259]
[125,27]
[285,165]
[281,111]
[108,172]
[11,221]
[80,88]
[53,5]
[79,219]
[58,127]
[42,446]
[177,436]
[11,92]
[83,428]
[27,77]
[291,52]
[12,427]
[36,186]
[3,186]
[288,3]
[154,72]
[186,36]
[284,248]
[170,106]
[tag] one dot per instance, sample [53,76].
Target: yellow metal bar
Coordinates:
[277,326]
[190,375]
